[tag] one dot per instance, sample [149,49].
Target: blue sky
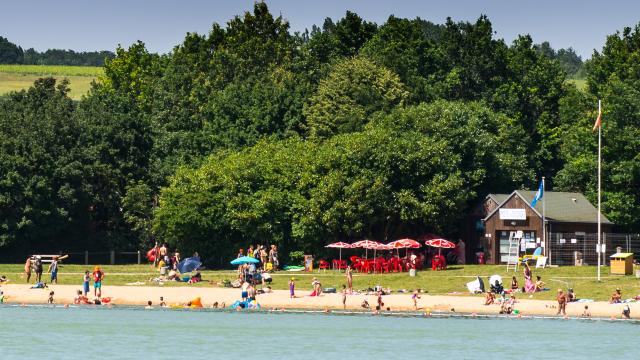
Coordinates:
[161,24]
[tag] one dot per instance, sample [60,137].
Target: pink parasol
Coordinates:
[340,245]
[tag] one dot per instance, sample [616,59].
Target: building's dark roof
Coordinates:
[559,206]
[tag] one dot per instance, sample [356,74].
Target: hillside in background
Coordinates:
[19,77]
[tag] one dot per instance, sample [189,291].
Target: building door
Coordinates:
[528,237]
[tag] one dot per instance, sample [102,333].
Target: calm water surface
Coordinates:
[128,333]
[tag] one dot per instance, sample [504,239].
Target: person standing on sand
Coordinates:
[98,275]
[38,267]
[562,302]
[27,269]
[415,298]
[53,269]
[85,282]
[349,275]
[292,288]
[344,297]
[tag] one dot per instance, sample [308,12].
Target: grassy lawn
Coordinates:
[18,77]
[582,279]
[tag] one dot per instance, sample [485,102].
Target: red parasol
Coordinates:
[366,244]
[404,244]
[436,241]
[340,245]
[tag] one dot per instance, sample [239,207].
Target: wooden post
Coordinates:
[139,257]
[86,257]
[113,257]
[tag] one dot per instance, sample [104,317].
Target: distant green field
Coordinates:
[18,77]
[52,70]
[581,84]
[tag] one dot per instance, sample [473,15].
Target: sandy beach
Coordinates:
[139,295]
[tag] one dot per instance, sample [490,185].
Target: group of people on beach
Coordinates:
[34,265]
[268,259]
[82,296]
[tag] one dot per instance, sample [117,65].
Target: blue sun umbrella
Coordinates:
[245,260]
[189,264]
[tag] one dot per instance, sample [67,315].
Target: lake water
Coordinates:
[132,333]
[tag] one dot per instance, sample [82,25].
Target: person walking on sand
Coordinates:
[98,275]
[349,275]
[27,269]
[562,302]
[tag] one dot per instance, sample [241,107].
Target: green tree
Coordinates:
[10,53]
[402,46]
[613,77]
[354,90]
[43,198]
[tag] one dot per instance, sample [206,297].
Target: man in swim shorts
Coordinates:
[98,275]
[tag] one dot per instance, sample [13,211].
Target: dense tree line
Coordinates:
[253,134]
[11,53]
[567,58]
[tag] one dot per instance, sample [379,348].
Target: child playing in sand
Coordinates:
[50,301]
[489,298]
[365,304]
[292,288]
[415,298]
[586,312]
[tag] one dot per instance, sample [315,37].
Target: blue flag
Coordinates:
[539,195]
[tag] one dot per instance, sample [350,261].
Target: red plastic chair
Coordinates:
[395,264]
[323,265]
[342,264]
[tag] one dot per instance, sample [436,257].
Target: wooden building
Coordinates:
[489,224]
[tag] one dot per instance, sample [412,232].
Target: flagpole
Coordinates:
[544,223]
[599,185]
